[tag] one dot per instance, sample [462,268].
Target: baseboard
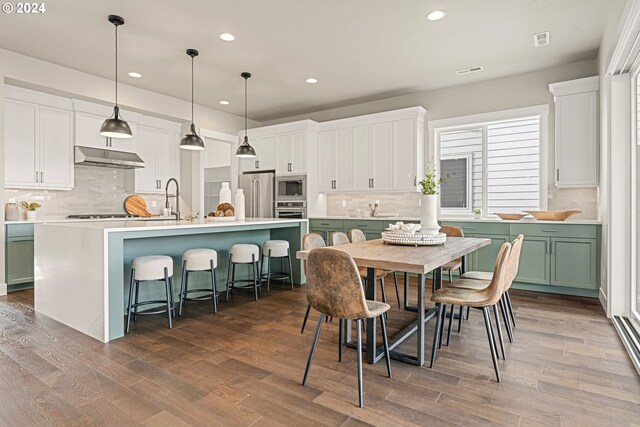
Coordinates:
[3,288]
[603,300]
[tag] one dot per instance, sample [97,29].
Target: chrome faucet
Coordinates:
[177,196]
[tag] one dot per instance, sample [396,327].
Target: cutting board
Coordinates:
[135,205]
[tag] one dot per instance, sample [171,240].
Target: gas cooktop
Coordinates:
[102,216]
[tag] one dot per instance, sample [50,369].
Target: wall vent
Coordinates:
[469,70]
[541,39]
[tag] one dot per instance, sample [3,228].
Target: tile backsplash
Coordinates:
[407,204]
[97,190]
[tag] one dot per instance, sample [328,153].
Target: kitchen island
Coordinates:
[82,269]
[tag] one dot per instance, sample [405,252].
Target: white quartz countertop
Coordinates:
[155,225]
[65,219]
[447,219]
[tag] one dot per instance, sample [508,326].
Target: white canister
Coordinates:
[239,204]
[12,211]
[225,193]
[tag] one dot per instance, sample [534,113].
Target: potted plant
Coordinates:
[429,205]
[477,213]
[32,213]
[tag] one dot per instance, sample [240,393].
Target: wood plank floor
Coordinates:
[244,365]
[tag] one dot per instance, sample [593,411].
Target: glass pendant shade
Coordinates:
[115,127]
[245,150]
[192,141]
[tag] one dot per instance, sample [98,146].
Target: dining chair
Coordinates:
[481,299]
[310,241]
[334,288]
[358,235]
[456,264]
[340,238]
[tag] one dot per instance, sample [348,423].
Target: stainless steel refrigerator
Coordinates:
[259,193]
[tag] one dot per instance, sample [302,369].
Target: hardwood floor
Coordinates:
[244,365]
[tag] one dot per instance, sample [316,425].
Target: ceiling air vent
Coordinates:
[541,39]
[469,70]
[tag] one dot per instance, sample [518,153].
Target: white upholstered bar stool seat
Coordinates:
[199,260]
[276,249]
[151,268]
[243,254]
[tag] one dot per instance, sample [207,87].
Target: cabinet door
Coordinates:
[21,144]
[535,260]
[266,153]
[283,153]
[19,260]
[128,145]
[298,157]
[88,130]
[147,177]
[405,155]
[573,262]
[362,158]
[484,259]
[56,147]
[326,167]
[343,159]
[577,140]
[382,144]
[168,156]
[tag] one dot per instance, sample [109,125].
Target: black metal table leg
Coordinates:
[421,319]
[371,323]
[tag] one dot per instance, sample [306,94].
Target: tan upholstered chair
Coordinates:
[456,264]
[334,288]
[310,241]
[358,235]
[475,298]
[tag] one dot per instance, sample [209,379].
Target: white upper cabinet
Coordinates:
[335,157]
[382,159]
[89,119]
[576,132]
[159,148]
[38,140]
[326,164]
[291,153]
[362,161]
[408,153]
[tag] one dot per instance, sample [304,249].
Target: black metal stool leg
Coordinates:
[499,328]
[306,317]
[290,268]
[436,333]
[313,349]
[167,285]
[489,328]
[505,317]
[229,277]
[385,342]
[131,285]
[254,271]
[460,316]
[360,388]
[511,312]
[269,272]
[340,342]
[135,307]
[450,324]
[384,295]
[395,282]
[214,288]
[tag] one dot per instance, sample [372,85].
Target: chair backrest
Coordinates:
[357,235]
[339,238]
[514,260]
[311,241]
[500,279]
[452,231]
[334,286]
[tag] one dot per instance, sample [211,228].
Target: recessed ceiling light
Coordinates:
[436,15]
[312,80]
[135,75]
[228,37]
[224,102]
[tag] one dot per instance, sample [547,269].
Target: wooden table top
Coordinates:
[412,259]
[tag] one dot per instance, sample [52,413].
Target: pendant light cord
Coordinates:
[245,107]
[116,65]
[192,90]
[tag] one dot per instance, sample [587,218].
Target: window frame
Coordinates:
[469,160]
[436,127]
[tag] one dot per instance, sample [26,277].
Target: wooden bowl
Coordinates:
[511,216]
[552,215]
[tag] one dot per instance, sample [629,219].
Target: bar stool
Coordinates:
[145,269]
[199,260]
[276,249]
[243,254]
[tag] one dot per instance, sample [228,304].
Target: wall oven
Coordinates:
[291,210]
[291,187]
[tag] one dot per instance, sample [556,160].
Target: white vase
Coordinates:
[32,214]
[225,193]
[239,205]
[429,214]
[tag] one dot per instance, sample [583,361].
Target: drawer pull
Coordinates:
[362,225]
[468,228]
[550,231]
[325,223]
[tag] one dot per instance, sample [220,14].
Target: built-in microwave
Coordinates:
[291,187]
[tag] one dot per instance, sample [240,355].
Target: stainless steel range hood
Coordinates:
[107,158]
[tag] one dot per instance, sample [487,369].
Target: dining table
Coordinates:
[418,260]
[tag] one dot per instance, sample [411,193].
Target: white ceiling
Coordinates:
[359,50]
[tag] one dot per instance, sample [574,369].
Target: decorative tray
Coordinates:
[220,218]
[413,239]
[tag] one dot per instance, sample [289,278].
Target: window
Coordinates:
[494,166]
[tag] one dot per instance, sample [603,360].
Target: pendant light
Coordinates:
[114,126]
[192,141]
[245,150]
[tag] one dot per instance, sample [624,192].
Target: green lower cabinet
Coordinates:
[535,261]
[19,260]
[573,263]
[484,259]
